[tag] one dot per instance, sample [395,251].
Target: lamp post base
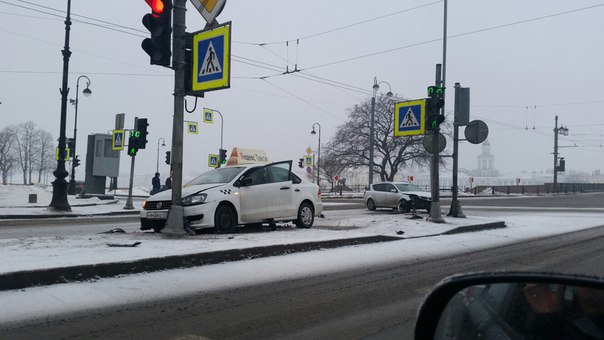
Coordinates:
[59,196]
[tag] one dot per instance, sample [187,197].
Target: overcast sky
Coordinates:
[525,62]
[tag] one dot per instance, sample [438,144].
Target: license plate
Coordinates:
[157,215]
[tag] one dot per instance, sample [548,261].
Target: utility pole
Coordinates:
[175,222]
[129,205]
[555,189]
[435,213]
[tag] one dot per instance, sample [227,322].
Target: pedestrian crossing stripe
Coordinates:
[409,118]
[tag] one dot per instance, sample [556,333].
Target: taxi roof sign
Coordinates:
[240,156]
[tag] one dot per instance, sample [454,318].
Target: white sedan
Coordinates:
[242,194]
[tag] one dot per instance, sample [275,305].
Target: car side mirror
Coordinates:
[513,306]
[245,181]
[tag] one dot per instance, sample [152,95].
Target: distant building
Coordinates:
[486,163]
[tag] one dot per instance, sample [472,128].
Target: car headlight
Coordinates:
[194,199]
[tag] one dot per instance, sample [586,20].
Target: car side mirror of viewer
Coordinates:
[514,305]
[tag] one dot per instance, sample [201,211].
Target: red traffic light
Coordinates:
[157,6]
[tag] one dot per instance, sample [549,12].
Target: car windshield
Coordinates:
[408,187]
[222,175]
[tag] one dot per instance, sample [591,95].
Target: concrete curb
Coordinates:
[50,276]
[41,216]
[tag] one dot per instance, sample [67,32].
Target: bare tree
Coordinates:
[25,138]
[351,141]
[43,154]
[331,166]
[7,155]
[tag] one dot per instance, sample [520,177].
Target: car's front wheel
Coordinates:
[370,204]
[306,216]
[225,219]
[404,206]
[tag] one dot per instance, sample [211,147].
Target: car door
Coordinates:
[255,195]
[391,195]
[282,196]
[380,194]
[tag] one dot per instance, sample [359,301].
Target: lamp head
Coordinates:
[87,92]
[313,131]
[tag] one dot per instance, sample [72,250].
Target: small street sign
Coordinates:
[212,59]
[67,154]
[410,118]
[308,160]
[476,131]
[308,150]
[192,128]
[428,146]
[212,161]
[118,140]
[209,9]
[208,116]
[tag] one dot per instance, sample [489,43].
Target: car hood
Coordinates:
[419,193]
[166,195]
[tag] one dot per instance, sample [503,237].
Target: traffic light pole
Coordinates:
[175,223]
[435,213]
[555,189]
[129,205]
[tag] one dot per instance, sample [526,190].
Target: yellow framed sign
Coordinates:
[410,118]
[212,59]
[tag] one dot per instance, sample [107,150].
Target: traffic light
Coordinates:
[76,162]
[168,156]
[70,143]
[433,106]
[132,144]
[159,23]
[141,127]
[222,156]
[300,161]
[562,165]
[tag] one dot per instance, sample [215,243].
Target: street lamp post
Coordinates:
[563,131]
[163,143]
[319,153]
[221,123]
[87,92]
[376,87]
[59,185]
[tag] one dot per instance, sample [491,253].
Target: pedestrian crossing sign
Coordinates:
[308,160]
[118,140]
[410,118]
[192,128]
[212,161]
[208,116]
[212,59]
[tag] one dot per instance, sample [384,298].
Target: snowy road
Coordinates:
[370,299]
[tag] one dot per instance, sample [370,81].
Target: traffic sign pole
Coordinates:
[129,205]
[175,223]
[435,213]
[455,210]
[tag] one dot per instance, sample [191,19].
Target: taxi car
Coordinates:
[402,196]
[245,194]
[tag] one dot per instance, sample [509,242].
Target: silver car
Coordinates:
[401,196]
